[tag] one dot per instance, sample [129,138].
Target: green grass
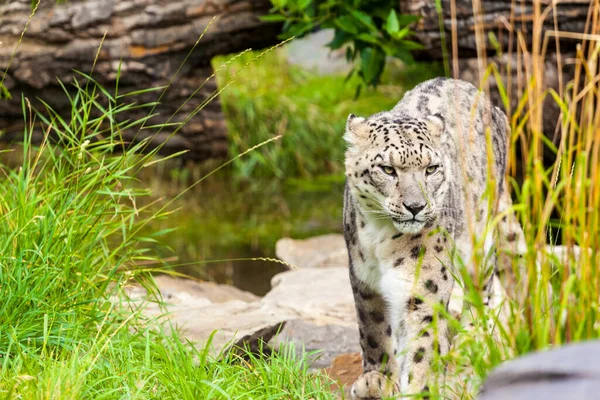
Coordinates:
[154,365]
[72,218]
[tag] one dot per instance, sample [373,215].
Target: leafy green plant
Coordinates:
[372,30]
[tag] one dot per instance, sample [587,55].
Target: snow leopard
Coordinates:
[423,182]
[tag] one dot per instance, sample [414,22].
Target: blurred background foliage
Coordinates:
[271,96]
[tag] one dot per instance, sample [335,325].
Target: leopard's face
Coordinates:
[395,168]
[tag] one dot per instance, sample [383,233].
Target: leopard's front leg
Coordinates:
[414,292]
[380,369]
[425,336]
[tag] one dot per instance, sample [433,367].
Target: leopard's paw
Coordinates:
[374,385]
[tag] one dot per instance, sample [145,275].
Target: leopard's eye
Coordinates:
[388,170]
[432,169]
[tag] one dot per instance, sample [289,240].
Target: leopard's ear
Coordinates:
[436,124]
[356,129]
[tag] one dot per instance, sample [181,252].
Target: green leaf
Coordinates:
[302,4]
[380,12]
[392,25]
[399,35]
[347,24]
[357,91]
[364,19]
[4,93]
[367,37]
[339,39]
[390,50]
[300,29]
[272,18]
[279,3]
[407,19]
[494,43]
[405,56]
[350,54]
[399,52]
[349,75]
[372,62]
[410,45]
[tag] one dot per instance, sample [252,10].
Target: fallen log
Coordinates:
[147,40]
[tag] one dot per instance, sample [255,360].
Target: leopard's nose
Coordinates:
[414,208]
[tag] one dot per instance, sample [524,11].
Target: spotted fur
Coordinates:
[416,178]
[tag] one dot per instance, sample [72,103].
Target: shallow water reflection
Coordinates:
[223,220]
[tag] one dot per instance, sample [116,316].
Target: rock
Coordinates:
[256,343]
[318,298]
[571,372]
[310,52]
[323,296]
[191,293]
[199,308]
[171,287]
[316,252]
[229,321]
[326,341]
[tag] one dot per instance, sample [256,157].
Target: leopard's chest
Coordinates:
[382,248]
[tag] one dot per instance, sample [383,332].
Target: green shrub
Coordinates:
[371,30]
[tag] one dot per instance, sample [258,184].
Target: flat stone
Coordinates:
[316,252]
[326,341]
[317,295]
[189,293]
[319,300]
[227,322]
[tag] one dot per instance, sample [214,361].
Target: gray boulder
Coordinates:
[319,303]
[322,343]
[570,372]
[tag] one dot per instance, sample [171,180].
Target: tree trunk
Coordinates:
[150,38]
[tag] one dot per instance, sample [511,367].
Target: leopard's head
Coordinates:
[395,168]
